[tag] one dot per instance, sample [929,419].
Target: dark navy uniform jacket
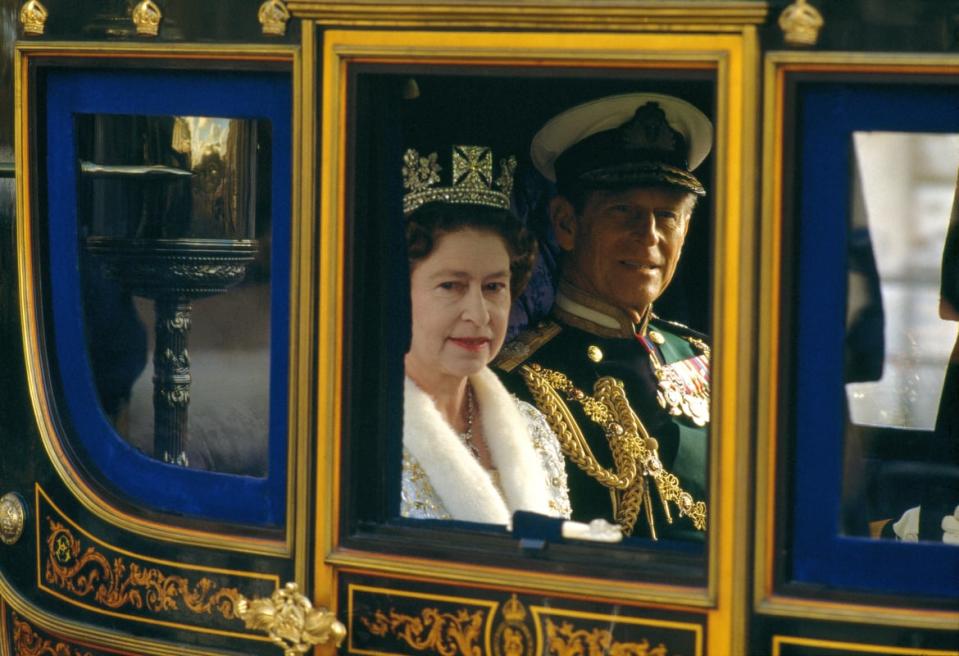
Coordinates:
[587,339]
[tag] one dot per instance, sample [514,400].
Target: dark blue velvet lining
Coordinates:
[145,481]
[828,115]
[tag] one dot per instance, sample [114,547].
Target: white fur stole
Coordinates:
[460,482]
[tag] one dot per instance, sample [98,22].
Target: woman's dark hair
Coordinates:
[426,225]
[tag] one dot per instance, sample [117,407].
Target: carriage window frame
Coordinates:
[247,513]
[804,563]
[368,535]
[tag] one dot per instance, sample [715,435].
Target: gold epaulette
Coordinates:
[525,344]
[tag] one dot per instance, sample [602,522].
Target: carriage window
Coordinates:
[901,328]
[447,134]
[175,273]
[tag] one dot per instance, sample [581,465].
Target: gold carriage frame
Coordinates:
[770,447]
[733,58]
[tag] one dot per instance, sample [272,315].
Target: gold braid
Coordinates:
[635,452]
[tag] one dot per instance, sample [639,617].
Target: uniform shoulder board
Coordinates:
[525,344]
[697,339]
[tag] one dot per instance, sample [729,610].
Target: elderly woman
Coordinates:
[471,451]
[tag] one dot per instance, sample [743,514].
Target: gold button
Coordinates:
[593,353]
[657,337]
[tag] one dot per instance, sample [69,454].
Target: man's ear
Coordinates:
[563,216]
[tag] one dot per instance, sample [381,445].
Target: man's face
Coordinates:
[624,245]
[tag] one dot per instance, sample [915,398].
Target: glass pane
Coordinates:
[448,135]
[899,340]
[174,216]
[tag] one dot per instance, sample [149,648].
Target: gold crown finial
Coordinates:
[33,17]
[800,23]
[147,17]
[273,17]
[513,610]
[471,181]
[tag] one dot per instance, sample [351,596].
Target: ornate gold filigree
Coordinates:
[800,23]
[27,642]
[33,17]
[446,634]
[290,620]
[565,640]
[119,583]
[13,515]
[273,16]
[147,17]
[635,452]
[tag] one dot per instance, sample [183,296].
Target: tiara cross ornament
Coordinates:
[471,181]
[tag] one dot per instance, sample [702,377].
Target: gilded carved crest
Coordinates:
[147,17]
[33,17]
[800,23]
[291,621]
[273,16]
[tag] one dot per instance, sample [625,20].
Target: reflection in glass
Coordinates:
[175,264]
[897,345]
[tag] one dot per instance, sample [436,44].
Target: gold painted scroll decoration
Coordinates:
[119,583]
[565,640]
[445,633]
[27,642]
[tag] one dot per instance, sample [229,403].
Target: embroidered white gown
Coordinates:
[441,478]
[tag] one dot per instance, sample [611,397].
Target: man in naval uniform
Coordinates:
[626,391]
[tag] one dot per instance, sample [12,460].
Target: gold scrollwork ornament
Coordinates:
[567,639]
[13,515]
[291,621]
[147,17]
[33,17]
[273,16]
[800,23]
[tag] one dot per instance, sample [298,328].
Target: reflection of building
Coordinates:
[902,206]
[907,182]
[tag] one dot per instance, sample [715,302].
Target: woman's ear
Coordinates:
[563,216]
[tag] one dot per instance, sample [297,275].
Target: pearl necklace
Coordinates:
[467,437]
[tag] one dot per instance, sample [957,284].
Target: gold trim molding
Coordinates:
[603,15]
[857,648]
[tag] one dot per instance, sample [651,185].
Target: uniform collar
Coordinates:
[576,308]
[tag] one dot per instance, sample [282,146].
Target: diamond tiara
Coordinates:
[471,180]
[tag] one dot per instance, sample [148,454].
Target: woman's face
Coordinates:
[460,306]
